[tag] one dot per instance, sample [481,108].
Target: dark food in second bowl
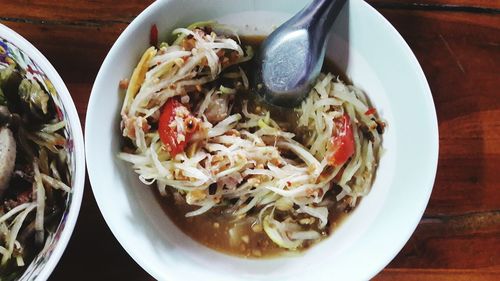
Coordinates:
[252,178]
[34,174]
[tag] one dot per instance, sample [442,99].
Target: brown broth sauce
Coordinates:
[213,228]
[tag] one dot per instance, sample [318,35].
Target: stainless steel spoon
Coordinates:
[290,59]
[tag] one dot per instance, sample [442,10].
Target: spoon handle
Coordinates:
[318,17]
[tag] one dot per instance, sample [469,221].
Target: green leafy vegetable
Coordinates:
[31,93]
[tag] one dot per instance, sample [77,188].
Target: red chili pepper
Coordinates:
[168,135]
[370,111]
[153,35]
[342,142]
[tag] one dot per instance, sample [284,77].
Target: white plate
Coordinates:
[373,55]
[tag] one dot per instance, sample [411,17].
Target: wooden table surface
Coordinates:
[457,42]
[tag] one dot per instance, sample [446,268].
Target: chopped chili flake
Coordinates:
[370,111]
[153,36]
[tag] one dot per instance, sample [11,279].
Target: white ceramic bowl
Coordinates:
[26,55]
[373,55]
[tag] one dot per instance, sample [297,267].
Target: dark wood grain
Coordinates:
[457,43]
[459,235]
[475,6]
[74,12]
[436,275]
[459,53]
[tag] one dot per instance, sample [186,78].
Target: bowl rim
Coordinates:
[73,209]
[433,138]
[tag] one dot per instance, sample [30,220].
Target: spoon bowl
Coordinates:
[291,58]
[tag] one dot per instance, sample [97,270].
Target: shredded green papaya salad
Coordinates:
[191,127]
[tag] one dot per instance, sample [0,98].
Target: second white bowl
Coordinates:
[372,54]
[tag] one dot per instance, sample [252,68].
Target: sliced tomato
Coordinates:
[342,146]
[167,129]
